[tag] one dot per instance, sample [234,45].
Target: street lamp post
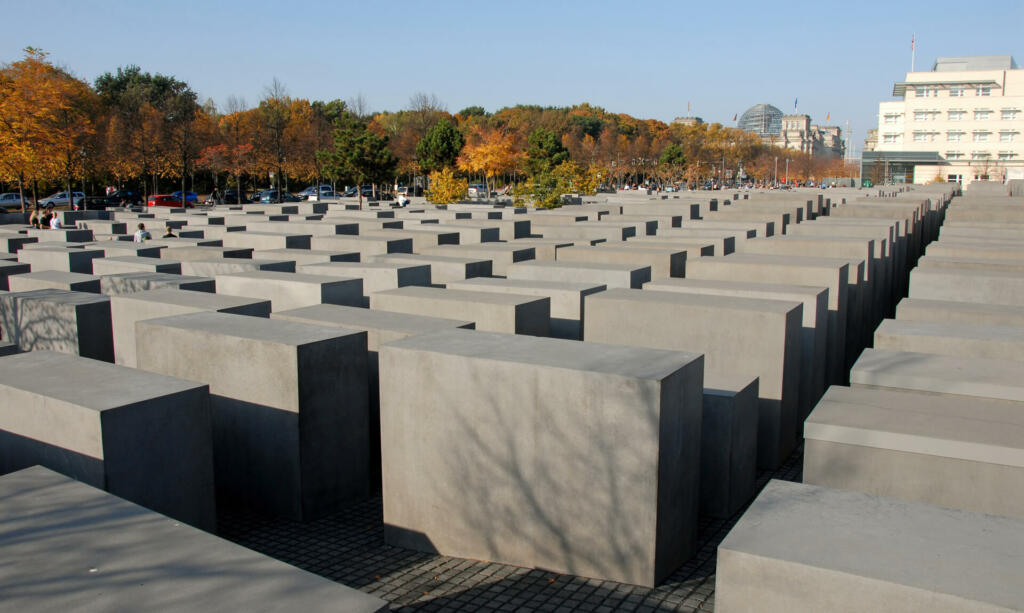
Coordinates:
[775,175]
[787,171]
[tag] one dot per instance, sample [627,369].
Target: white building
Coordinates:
[961,121]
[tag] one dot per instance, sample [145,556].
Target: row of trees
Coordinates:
[134,130]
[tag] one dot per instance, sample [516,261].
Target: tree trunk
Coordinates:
[21,189]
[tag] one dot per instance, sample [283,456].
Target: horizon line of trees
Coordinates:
[136,130]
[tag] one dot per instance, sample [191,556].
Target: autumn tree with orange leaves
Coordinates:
[490,154]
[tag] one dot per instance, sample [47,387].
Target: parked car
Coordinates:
[477,190]
[351,192]
[269,196]
[231,197]
[189,196]
[12,199]
[326,191]
[168,200]
[126,196]
[61,199]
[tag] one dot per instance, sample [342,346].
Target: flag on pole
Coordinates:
[735,116]
[687,107]
[912,37]
[795,100]
[827,115]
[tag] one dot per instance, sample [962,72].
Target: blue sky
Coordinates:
[647,59]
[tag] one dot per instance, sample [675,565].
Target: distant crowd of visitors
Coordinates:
[47,218]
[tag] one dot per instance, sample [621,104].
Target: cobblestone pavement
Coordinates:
[348,547]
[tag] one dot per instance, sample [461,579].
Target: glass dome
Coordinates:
[761,119]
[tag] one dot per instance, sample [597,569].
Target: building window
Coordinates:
[981,115]
[984,90]
[890,138]
[953,136]
[891,118]
[1007,136]
[980,155]
[920,137]
[980,137]
[1007,155]
[956,91]
[956,115]
[954,178]
[954,155]
[1009,114]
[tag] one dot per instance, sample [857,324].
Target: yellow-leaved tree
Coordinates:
[445,187]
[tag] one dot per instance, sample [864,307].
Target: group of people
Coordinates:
[142,234]
[45,218]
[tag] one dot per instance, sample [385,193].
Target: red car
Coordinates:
[166,200]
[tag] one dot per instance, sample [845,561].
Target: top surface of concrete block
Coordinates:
[253,328]
[61,296]
[716,302]
[977,557]
[86,383]
[638,362]
[83,544]
[939,373]
[533,284]
[188,298]
[978,429]
[361,319]
[457,295]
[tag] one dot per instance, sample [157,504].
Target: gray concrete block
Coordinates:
[77,323]
[806,548]
[364,245]
[289,290]
[610,275]
[954,339]
[227,266]
[728,465]
[174,567]
[138,435]
[738,336]
[814,333]
[12,243]
[442,268]
[915,309]
[130,282]
[967,285]
[54,279]
[8,269]
[187,253]
[380,327]
[501,255]
[663,262]
[376,276]
[302,257]
[119,264]
[127,309]
[946,450]
[940,374]
[791,270]
[266,240]
[552,486]
[508,313]
[567,299]
[290,427]
[59,258]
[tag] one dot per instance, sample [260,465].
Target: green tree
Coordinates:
[472,111]
[440,147]
[358,154]
[544,152]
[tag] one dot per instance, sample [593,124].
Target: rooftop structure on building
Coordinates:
[688,121]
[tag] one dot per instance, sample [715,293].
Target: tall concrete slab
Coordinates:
[54,279]
[290,425]
[608,274]
[940,374]
[954,339]
[130,282]
[551,485]
[141,436]
[942,449]
[77,323]
[289,290]
[127,309]
[738,336]
[508,313]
